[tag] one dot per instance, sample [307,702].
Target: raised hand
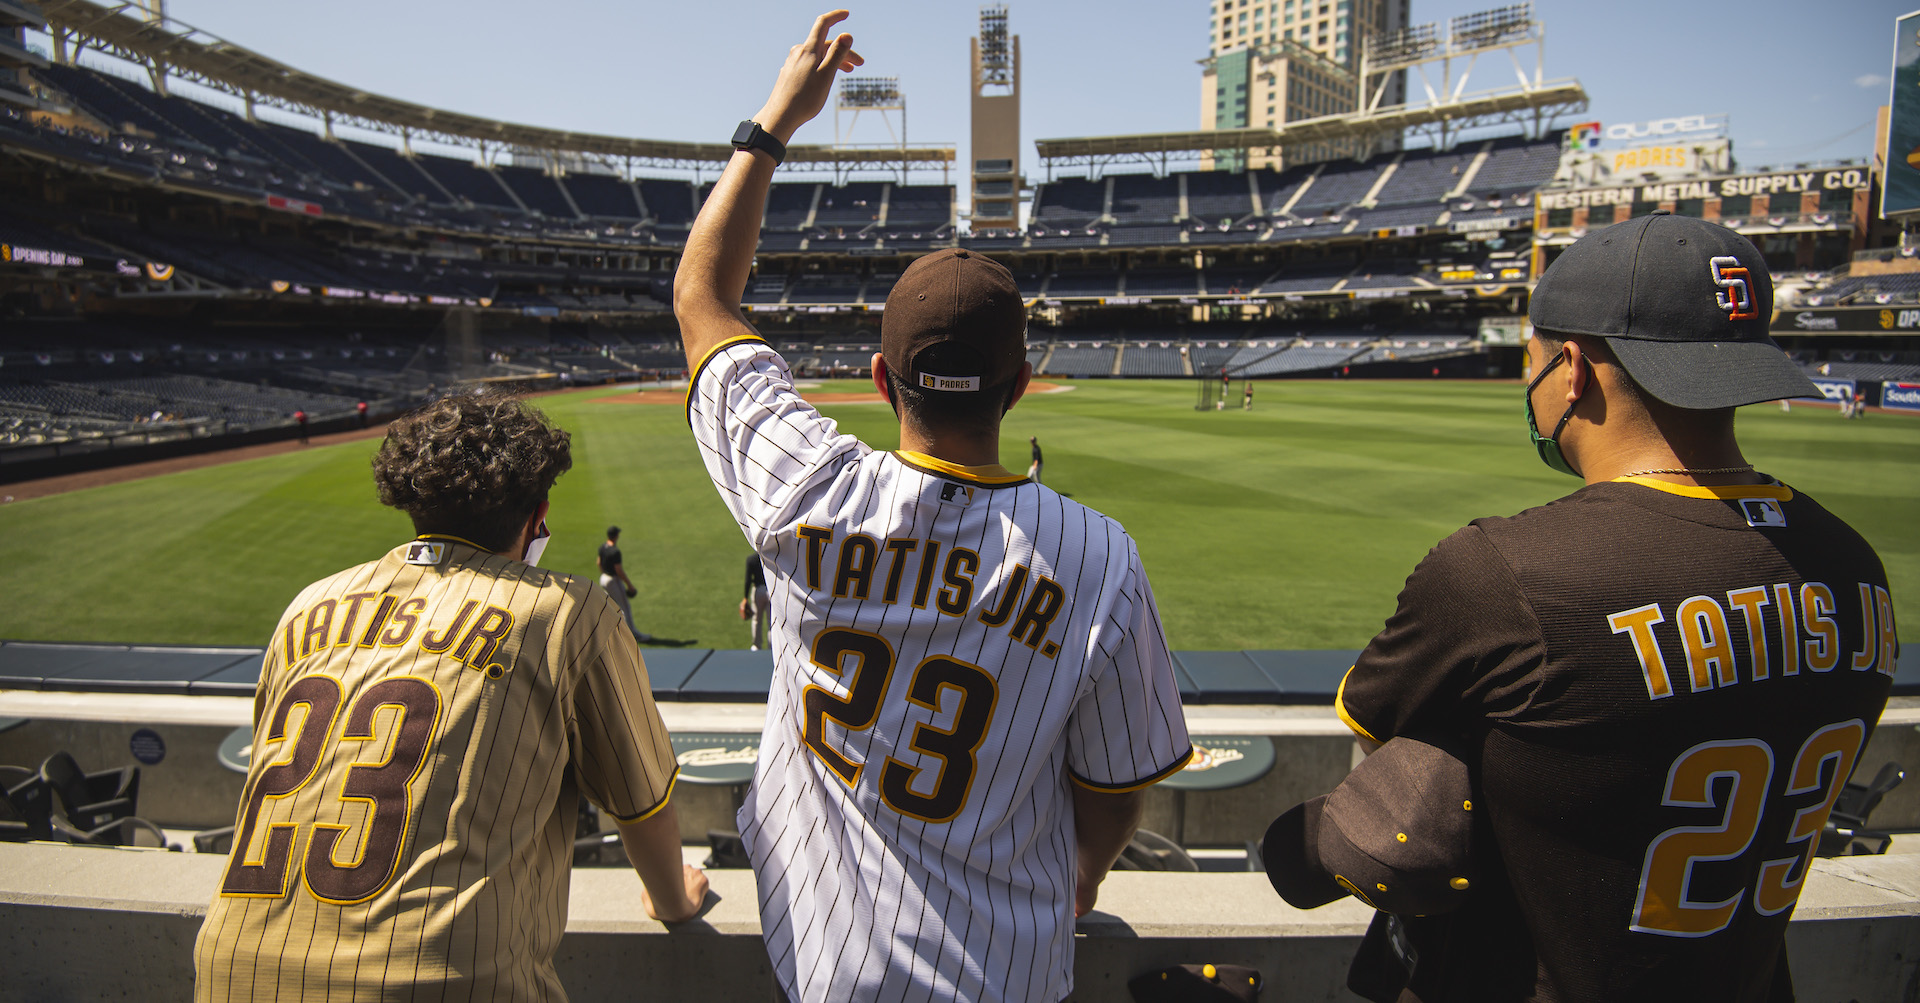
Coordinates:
[807,78]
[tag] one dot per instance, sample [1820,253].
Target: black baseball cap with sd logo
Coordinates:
[1684,304]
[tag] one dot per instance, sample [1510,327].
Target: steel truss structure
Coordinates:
[1447,111]
[168,48]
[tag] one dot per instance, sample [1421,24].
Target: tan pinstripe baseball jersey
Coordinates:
[423,726]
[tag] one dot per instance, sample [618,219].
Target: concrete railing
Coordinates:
[93,923]
[189,789]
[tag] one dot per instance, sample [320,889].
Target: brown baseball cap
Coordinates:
[954,323]
[1396,834]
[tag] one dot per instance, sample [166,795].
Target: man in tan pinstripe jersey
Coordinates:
[423,729]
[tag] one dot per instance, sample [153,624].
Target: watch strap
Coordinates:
[749,136]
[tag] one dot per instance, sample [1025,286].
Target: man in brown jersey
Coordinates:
[1659,682]
[424,726]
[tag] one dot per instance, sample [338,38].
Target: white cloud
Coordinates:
[1868,81]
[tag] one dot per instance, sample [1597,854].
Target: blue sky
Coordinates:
[1799,82]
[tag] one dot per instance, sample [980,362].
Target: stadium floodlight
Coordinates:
[1491,27]
[996,49]
[870,92]
[1408,45]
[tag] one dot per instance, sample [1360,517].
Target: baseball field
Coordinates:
[1290,526]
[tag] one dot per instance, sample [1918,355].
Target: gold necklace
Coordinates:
[1692,471]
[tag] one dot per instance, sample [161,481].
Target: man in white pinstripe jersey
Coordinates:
[971,684]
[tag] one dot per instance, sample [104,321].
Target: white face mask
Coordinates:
[538,545]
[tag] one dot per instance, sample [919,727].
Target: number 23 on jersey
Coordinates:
[1664,905]
[333,872]
[872,662]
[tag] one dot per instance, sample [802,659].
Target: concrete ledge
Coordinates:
[188,789]
[92,923]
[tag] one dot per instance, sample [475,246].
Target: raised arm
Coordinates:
[719,254]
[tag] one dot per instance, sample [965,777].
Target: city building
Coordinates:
[1271,62]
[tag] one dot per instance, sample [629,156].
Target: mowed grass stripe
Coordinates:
[1289,526]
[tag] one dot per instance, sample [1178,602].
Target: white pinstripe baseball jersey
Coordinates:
[950,645]
[422,725]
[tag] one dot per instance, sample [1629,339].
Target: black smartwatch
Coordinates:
[749,136]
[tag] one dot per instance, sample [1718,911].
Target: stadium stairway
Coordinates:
[1851,935]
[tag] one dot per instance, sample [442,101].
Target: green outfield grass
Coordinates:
[1292,526]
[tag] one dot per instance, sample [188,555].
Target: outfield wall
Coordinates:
[1851,938]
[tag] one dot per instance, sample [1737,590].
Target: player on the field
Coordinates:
[971,685]
[613,578]
[1035,460]
[424,727]
[1661,680]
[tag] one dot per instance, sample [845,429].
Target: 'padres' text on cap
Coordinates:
[954,323]
[1684,304]
[1397,833]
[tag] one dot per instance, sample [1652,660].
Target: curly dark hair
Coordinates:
[472,466]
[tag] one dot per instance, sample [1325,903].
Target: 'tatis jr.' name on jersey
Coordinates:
[1802,632]
[858,566]
[473,637]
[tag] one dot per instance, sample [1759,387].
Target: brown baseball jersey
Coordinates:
[423,727]
[1662,689]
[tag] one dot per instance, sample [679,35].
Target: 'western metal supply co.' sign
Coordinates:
[1782,183]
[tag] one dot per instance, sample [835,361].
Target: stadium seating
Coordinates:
[1338,184]
[1211,358]
[853,206]
[1516,165]
[1142,199]
[1083,284]
[1304,356]
[537,190]
[788,205]
[603,195]
[825,289]
[1152,360]
[1162,282]
[1423,176]
[1081,360]
[670,203]
[927,206]
[1216,196]
[1306,277]
[1069,202]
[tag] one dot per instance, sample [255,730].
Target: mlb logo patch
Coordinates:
[425,552]
[952,491]
[1763,513]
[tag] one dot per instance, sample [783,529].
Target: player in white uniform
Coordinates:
[971,683]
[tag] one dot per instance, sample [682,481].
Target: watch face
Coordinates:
[743,135]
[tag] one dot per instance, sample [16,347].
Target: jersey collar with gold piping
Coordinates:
[1724,492]
[992,475]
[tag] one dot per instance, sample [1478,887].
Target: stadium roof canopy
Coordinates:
[169,47]
[1536,105]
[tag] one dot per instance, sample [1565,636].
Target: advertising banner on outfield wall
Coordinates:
[1900,396]
[1840,319]
[1900,195]
[1834,388]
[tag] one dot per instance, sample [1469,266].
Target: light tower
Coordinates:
[875,94]
[996,122]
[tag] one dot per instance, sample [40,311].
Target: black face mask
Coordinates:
[1548,446]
